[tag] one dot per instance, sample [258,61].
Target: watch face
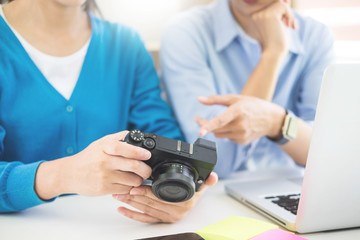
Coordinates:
[292,127]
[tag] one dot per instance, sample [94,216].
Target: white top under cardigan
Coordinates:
[61,72]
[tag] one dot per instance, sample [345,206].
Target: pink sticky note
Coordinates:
[277,234]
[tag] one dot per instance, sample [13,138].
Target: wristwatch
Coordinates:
[289,129]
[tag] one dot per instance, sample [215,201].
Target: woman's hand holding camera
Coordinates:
[109,166]
[154,210]
[106,166]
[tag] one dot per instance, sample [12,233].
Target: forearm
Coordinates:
[262,81]
[51,179]
[299,147]
[17,184]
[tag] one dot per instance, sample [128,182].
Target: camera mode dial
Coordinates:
[136,135]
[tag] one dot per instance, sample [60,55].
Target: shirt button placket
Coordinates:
[70,149]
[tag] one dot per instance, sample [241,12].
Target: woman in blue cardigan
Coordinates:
[69,82]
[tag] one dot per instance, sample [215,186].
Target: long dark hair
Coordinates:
[89,6]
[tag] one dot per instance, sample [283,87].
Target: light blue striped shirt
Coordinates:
[205,52]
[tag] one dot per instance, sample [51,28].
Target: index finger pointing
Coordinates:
[218,122]
[225,100]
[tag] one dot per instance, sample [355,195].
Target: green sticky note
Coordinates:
[235,228]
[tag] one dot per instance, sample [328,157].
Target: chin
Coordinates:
[248,7]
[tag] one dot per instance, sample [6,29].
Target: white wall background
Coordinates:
[148,17]
[343,18]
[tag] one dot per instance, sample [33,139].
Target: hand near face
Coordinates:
[246,118]
[271,23]
[154,210]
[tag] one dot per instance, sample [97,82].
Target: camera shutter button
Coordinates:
[149,143]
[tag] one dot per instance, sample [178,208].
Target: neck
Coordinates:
[49,26]
[244,21]
[46,16]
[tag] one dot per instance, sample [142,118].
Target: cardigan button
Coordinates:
[69,108]
[69,150]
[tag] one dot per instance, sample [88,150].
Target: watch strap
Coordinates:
[288,130]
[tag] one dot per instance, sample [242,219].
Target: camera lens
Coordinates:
[173,182]
[149,143]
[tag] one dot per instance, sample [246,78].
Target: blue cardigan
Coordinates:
[117,89]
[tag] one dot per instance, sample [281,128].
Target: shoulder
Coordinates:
[115,34]
[195,23]
[193,28]
[312,33]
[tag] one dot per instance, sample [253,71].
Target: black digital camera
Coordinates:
[178,168]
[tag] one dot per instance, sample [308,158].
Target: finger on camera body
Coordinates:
[117,148]
[120,136]
[155,210]
[146,191]
[125,178]
[210,181]
[131,165]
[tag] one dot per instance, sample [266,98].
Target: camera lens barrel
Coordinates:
[178,168]
[173,182]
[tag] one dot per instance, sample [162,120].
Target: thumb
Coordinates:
[211,180]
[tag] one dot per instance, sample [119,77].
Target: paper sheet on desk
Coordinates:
[235,228]
[277,234]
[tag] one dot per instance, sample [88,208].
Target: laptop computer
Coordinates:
[328,197]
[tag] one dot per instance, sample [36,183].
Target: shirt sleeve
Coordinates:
[16,183]
[148,111]
[320,56]
[187,76]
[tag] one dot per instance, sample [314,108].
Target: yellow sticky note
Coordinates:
[235,228]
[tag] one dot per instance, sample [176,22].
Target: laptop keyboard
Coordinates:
[289,202]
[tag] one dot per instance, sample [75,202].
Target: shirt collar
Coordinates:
[226,29]
[225,26]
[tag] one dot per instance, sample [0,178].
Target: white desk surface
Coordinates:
[78,217]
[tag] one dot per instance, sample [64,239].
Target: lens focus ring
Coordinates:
[173,182]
